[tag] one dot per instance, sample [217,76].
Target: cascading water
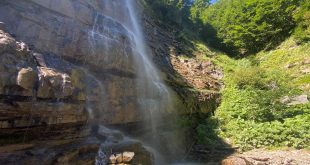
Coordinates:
[153,91]
[153,96]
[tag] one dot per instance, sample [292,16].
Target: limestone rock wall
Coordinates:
[82,33]
[36,97]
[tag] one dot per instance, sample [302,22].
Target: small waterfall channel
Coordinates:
[153,96]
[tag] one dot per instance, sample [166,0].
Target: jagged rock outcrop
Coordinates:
[39,103]
[197,82]
[29,92]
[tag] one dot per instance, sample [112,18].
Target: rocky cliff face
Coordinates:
[66,62]
[79,32]
[35,95]
[196,82]
[40,103]
[84,34]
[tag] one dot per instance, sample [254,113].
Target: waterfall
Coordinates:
[153,96]
[154,93]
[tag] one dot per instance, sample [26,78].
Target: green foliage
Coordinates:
[198,8]
[172,12]
[207,132]
[302,17]
[238,27]
[248,26]
[251,113]
[292,132]
[253,93]
[290,58]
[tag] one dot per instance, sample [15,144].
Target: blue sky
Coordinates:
[212,1]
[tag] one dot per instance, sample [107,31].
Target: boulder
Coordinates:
[27,78]
[56,82]
[121,158]
[113,159]
[302,99]
[128,156]
[235,161]
[124,150]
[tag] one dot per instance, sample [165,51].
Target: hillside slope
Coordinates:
[264,105]
[266,98]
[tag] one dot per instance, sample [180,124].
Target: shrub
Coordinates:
[302,17]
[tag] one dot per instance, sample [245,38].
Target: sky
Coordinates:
[212,1]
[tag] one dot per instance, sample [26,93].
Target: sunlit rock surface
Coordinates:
[82,33]
[36,102]
[42,121]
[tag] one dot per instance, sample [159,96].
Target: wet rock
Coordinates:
[79,81]
[7,43]
[112,159]
[81,32]
[17,76]
[39,59]
[15,147]
[124,150]
[78,77]
[27,78]
[2,26]
[121,158]
[24,118]
[137,155]
[54,81]
[128,156]
[53,152]
[235,161]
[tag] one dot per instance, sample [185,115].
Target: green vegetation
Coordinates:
[240,27]
[248,26]
[251,114]
[172,12]
[302,17]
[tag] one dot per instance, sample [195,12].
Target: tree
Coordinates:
[198,8]
[302,18]
[248,26]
